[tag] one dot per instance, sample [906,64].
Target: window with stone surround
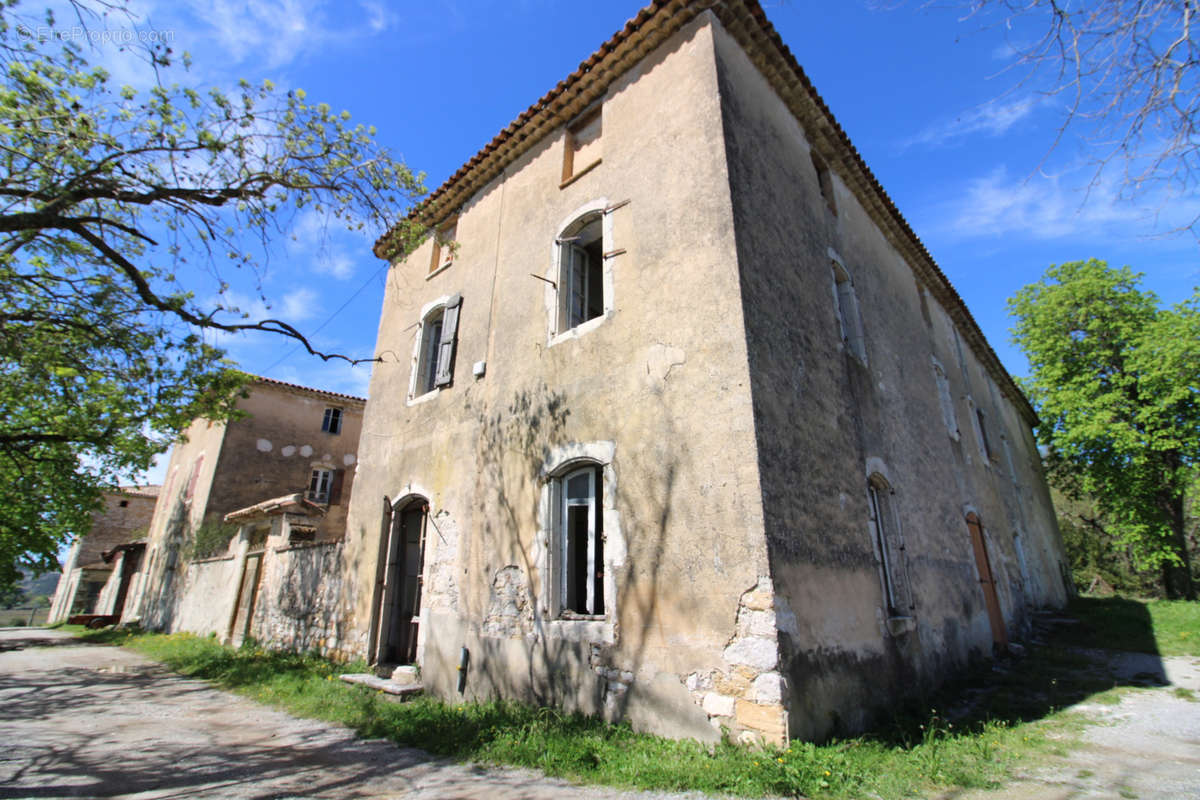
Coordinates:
[579,541]
[945,399]
[581,272]
[845,304]
[889,544]
[437,339]
[580,544]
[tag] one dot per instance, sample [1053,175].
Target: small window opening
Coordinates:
[444,246]
[824,182]
[332,423]
[581,543]
[124,504]
[581,273]
[582,150]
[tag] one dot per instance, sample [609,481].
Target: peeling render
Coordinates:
[746,696]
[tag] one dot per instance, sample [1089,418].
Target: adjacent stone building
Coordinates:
[122,521]
[246,537]
[678,421]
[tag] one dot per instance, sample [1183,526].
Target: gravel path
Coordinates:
[82,720]
[1146,747]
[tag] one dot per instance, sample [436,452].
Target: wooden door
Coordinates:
[401,595]
[247,595]
[987,582]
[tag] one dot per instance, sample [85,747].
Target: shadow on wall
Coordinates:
[303,612]
[163,579]
[1093,646]
[514,448]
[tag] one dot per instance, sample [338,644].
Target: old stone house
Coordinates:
[246,537]
[679,422]
[89,584]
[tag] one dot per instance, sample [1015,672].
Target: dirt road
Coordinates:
[91,721]
[82,720]
[1146,747]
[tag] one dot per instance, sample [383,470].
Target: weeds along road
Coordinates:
[83,720]
[80,720]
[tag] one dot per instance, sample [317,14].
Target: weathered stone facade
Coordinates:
[193,571]
[125,516]
[694,434]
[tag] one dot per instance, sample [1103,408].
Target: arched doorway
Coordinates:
[402,555]
[987,582]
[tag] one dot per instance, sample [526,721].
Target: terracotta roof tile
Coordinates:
[309,389]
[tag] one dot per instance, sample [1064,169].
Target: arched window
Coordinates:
[581,271]
[577,544]
[433,360]
[890,545]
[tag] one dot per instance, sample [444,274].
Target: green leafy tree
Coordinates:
[119,209]
[1116,381]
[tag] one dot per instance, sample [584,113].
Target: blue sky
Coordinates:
[962,148]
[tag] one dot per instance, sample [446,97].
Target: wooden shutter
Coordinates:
[445,359]
[335,487]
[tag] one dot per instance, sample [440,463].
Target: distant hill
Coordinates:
[33,585]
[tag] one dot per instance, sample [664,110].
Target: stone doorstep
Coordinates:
[406,675]
[383,685]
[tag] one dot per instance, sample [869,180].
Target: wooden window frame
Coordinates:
[571,145]
[593,555]
[444,246]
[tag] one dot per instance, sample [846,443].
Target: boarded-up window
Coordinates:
[849,316]
[945,399]
[582,148]
[890,543]
[984,444]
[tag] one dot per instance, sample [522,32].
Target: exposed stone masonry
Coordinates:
[746,698]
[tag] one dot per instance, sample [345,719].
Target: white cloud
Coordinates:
[325,244]
[299,305]
[332,376]
[379,18]
[338,265]
[991,119]
[1056,206]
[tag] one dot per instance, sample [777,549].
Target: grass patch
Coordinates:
[1165,627]
[920,752]
[1186,694]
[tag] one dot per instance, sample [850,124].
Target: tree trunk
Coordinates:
[1177,578]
